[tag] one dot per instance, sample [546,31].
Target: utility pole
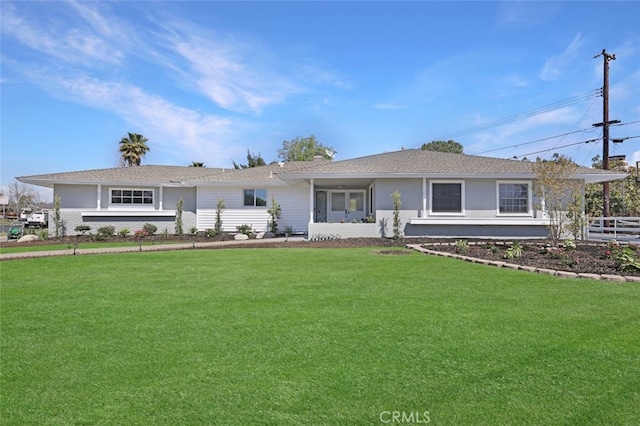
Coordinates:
[605,128]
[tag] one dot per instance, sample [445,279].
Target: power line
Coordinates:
[625,124]
[536,111]
[534,141]
[557,147]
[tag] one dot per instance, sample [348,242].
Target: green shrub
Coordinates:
[514,251]
[179,207]
[627,260]
[82,228]
[275,211]
[123,232]
[193,230]
[209,232]
[150,228]
[462,247]
[219,209]
[244,229]
[492,248]
[106,231]
[569,244]
[397,223]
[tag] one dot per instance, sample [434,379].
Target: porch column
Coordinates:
[160,198]
[424,197]
[99,197]
[311,190]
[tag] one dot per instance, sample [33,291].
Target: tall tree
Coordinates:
[304,149]
[444,146]
[196,164]
[624,195]
[133,148]
[22,195]
[252,161]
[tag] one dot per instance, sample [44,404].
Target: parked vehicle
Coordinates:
[35,218]
[16,230]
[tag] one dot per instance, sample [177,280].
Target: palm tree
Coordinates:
[196,164]
[133,148]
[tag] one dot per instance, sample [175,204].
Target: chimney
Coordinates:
[318,158]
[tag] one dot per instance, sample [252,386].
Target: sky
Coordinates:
[206,81]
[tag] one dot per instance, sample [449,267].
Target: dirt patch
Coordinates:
[393,252]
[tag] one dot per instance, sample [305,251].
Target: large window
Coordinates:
[132,197]
[255,197]
[514,198]
[447,197]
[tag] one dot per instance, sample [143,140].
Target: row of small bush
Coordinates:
[109,231]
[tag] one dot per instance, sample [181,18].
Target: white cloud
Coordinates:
[177,130]
[557,65]
[73,45]
[228,79]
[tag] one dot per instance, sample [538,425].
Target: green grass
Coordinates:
[311,336]
[81,246]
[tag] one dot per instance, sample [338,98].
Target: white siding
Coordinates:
[293,201]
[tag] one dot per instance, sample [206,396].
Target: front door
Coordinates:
[321,207]
[346,206]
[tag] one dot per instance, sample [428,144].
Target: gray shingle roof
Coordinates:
[403,163]
[154,174]
[418,162]
[263,174]
[148,174]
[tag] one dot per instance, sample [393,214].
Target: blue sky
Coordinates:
[205,81]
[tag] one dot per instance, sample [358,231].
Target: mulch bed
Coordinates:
[588,258]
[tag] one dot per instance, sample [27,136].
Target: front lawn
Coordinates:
[8,248]
[311,336]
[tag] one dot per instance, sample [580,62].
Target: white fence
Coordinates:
[613,228]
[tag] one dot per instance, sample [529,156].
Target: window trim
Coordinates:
[133,206]
[462,211]
[529,212]
[255,198]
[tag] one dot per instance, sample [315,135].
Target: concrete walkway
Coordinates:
[145,248]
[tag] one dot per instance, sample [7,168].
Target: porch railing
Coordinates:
[613,228]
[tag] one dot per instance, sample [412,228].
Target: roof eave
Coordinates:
[49,183]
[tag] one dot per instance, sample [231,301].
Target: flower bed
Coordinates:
[586,258]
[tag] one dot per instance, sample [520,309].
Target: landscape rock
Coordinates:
[241,237]
[613,278]
[27,238]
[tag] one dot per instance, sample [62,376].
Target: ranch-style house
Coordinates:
[441,195]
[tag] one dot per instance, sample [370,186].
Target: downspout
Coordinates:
[99,198]
[160,194]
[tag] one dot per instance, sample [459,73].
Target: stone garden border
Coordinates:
[500,264]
